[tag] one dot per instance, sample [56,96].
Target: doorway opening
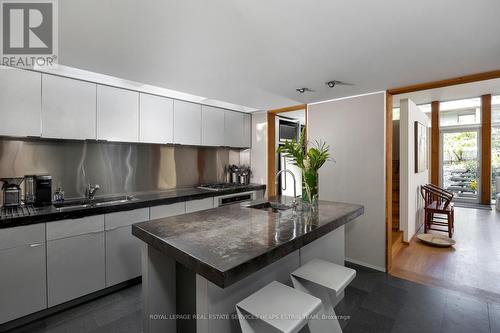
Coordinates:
[289,127]
[460,163]
[284,124]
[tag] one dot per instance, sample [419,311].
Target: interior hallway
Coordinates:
[471,266]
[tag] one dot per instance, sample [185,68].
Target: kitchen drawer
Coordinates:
[123,255]
[74,227]
[75,267]
[158,212]
[197,205]
[121,219]
[24,235]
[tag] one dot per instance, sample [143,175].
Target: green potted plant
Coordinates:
[309,161]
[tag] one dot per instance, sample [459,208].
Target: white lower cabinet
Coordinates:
[123,256]
[76,264]
[22,281]
[75,267]
[158,212]
[201,204]
[48,264]
[123,250]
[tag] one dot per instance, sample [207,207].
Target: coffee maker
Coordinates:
[43,190]
[11,189]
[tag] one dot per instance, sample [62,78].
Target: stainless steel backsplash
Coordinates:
[116,167]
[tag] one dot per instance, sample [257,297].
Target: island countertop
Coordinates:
[229,243]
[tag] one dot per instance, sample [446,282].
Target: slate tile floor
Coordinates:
[375,302]
[378,302]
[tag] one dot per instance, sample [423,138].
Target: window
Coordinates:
[460,112]
[495,109]
[396,114]
[495,144]
[425,108]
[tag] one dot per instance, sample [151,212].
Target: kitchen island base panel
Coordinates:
[169,289]
[158,290]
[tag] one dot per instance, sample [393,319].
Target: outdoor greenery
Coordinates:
[460,162]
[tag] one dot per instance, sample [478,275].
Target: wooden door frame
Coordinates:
[271,144]
[389,136]
[388,179]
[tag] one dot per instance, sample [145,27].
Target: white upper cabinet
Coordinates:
[51,106]
[237,129]
[68,108]
[247,130]
[187,123]
[117,114]
[212,126]
[20,102]
[156,119]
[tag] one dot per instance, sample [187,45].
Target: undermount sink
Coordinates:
[271,206]
[97,202]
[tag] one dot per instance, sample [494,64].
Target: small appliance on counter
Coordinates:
[43,190]
[239,175]
[233,171]
[29,189]
[11,191]
[244,176]
[59,195]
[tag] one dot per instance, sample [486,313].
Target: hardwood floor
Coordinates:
[471,266]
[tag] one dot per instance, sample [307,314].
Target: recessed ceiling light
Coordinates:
[331,84]
[303,90]
[334,83]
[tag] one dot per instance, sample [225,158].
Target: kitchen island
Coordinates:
[197,266]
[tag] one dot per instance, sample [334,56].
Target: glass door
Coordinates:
[460,163]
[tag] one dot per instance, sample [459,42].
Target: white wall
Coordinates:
[259,148]
[355,130]
[410,200]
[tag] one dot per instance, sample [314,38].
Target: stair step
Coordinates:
[397,242]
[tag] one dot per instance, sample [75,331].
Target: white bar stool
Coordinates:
[319,278]
[276,308]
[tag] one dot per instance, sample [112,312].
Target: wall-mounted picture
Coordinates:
[420,147]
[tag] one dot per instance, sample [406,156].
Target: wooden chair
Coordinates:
[439,210]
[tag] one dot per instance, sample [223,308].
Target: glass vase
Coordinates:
[310,188]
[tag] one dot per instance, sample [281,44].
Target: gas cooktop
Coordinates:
[219,186]
[16,211]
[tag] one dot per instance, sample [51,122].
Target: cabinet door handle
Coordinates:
[36,244]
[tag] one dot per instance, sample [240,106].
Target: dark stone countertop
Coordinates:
[229,243]
[140,200]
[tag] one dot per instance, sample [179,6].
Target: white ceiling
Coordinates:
[255,53]
[299,115]
[462,91]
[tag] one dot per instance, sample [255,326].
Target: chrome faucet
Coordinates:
[294,185]
[91,190]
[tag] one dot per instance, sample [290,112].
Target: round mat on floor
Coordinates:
[436,240]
